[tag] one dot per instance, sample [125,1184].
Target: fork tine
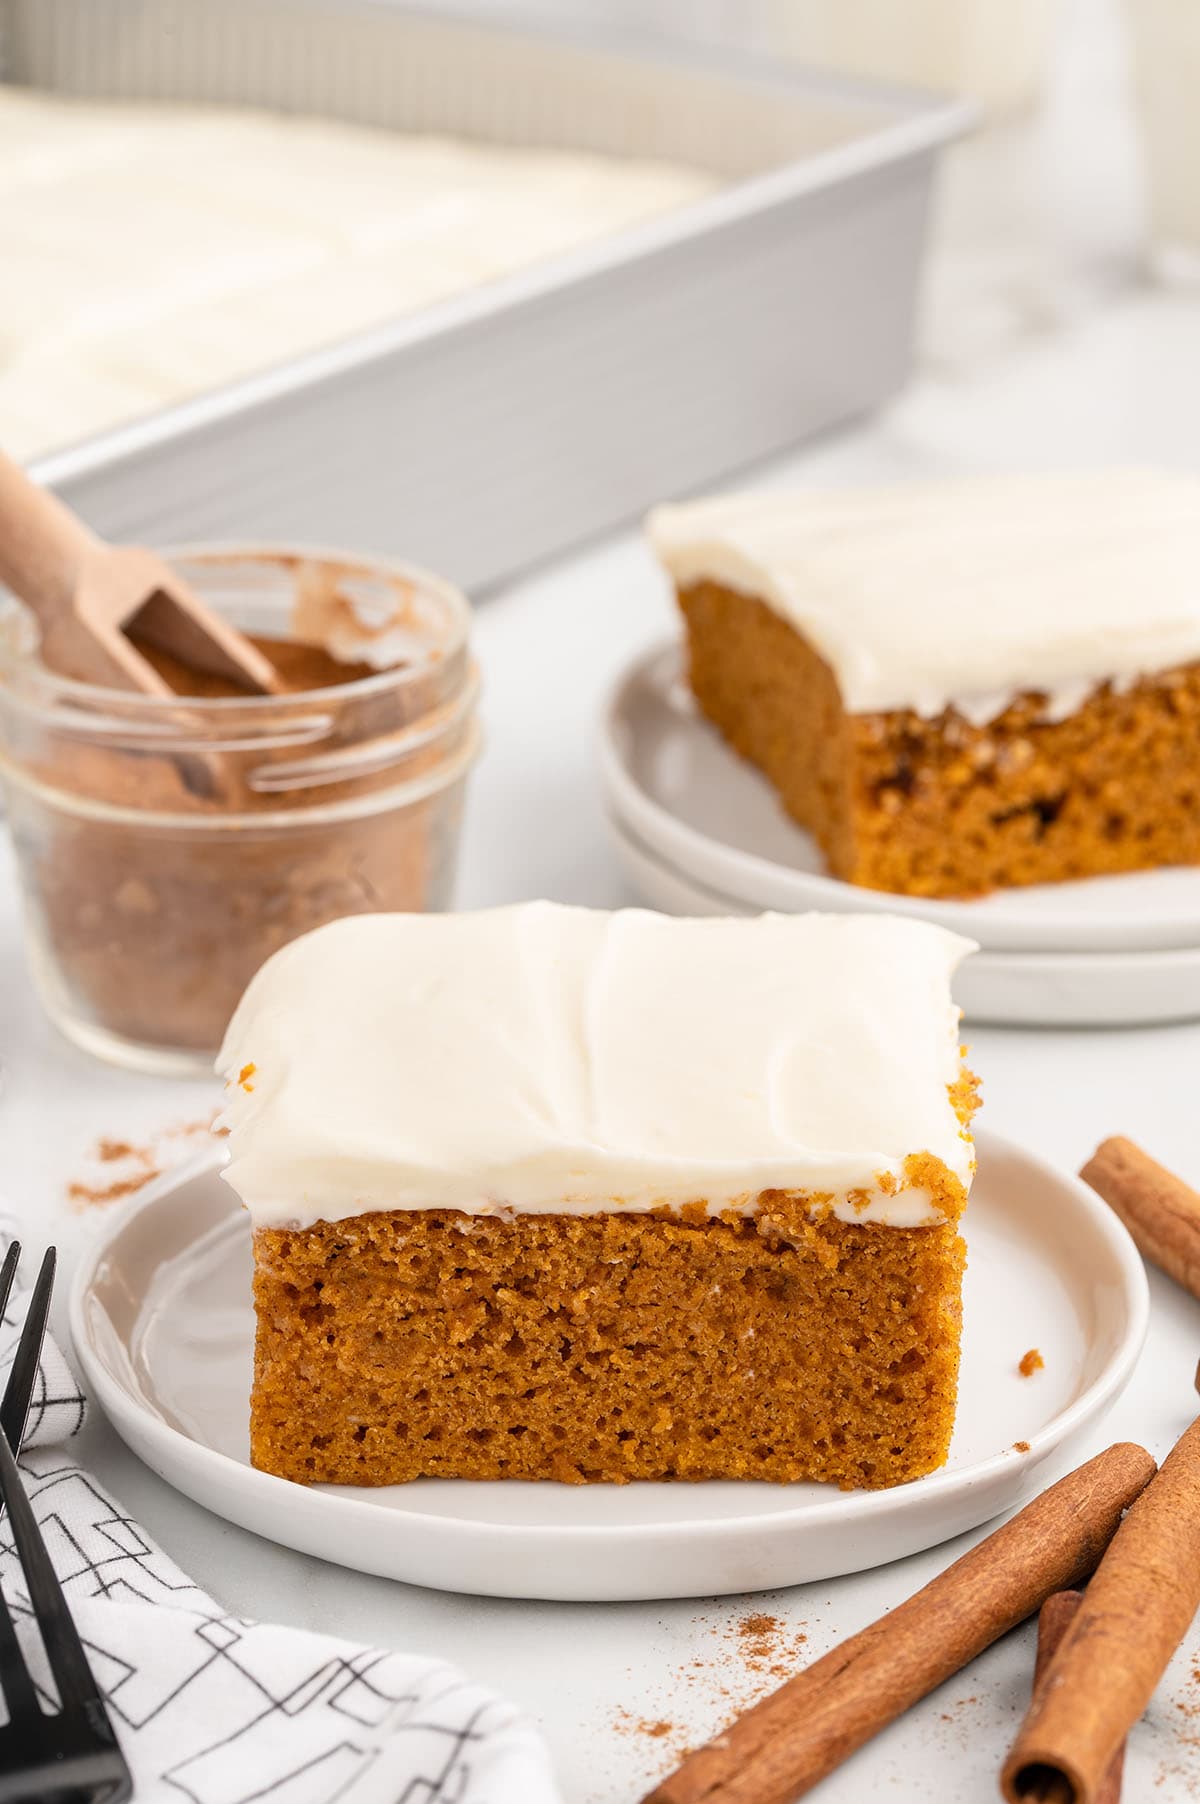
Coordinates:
[64,1650]
[8,1272]
[18,1392]
[20,1693]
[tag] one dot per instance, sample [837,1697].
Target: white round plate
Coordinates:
[162,1324]
[1028,989]
[673,782]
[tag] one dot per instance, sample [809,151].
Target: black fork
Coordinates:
[70,1756]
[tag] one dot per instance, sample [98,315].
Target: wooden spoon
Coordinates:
[95,602]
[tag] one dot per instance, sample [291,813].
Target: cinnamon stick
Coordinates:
[1054,1619]
[784,1745]
[1133,1616]
[1161,1212]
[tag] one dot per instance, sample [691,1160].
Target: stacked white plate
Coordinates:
[701,832]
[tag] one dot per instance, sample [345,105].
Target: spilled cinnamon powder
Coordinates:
[93,1196]
[108,1151]
[652,1728]
[754,1652]
[768,1645]
[139,1163]
[1183,1763]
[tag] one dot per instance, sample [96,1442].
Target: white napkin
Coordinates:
[212,1709]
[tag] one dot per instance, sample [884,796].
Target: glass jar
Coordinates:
[166,846]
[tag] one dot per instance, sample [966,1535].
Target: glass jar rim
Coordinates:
[408,792]
[42,688]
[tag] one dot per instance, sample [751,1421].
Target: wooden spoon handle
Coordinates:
[43,547]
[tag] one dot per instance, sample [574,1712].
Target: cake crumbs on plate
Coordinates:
[1020,1446]
[1030,1363]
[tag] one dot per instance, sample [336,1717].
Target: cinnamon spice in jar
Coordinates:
[167,846]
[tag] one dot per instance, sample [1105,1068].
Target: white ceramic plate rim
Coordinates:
[763,883]
[1159,959]
[124,1409]
[1028,989]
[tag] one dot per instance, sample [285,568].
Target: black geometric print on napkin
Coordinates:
[315,1764]
[296,1724]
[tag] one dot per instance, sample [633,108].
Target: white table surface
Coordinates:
[1068,359]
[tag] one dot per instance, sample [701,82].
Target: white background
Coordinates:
[1045,345]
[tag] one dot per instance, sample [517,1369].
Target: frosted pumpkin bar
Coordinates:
[545,1193]
[962,685]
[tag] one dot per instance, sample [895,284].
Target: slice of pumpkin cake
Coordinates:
[545,1193]
[958,686]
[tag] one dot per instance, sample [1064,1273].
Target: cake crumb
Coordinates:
[244,1076]
[1020,1446]
[1030,1363]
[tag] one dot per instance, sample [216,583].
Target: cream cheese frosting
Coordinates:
[152,252]
[968,592]
[539,1058]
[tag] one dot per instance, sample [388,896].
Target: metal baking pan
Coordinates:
[493,430]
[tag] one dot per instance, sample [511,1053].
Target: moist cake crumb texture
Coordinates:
[605,1348]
